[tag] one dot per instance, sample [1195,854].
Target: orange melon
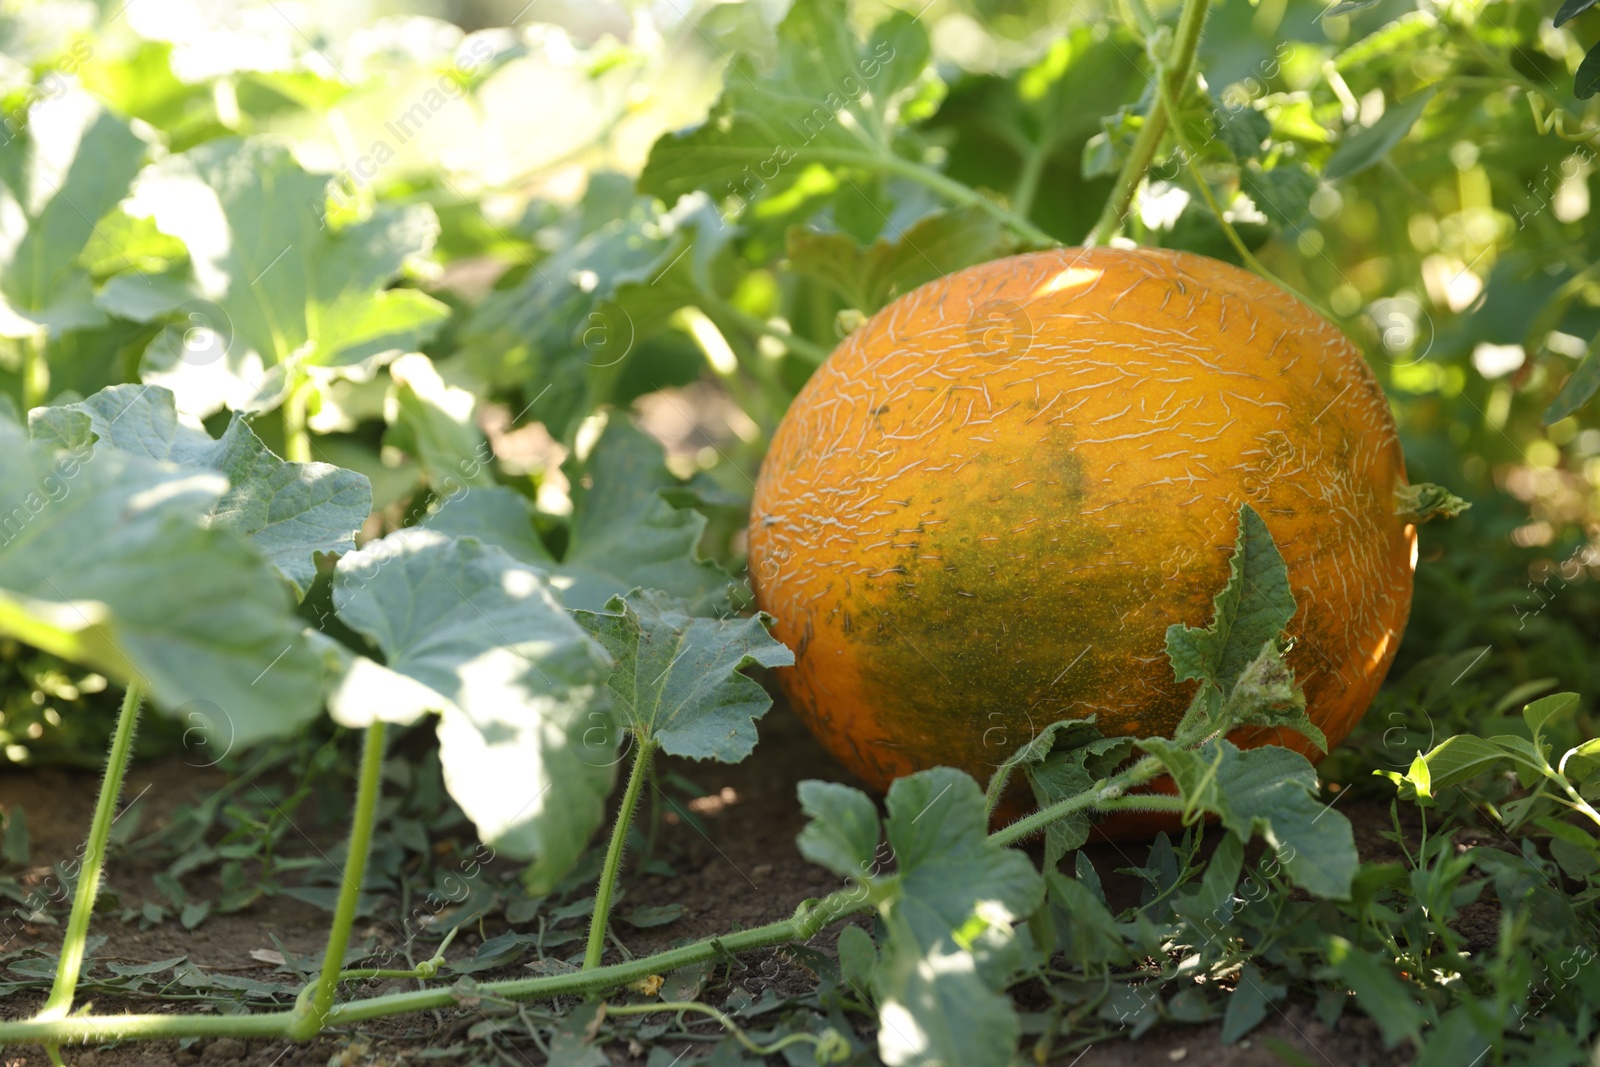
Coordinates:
[983,511]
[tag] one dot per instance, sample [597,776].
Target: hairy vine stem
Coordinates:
[619,834]
[314,1009]
[1175,71]
[70,965]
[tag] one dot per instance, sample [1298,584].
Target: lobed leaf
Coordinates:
[623,533]
[1252,609]
[269,278]
[525,737]
[677,678]
[110,560]
[286,511]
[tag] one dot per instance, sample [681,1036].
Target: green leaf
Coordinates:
[14,844]
[843,832]
[1087,932]
[950,872]
[1248,1005]
[72,164]
[1266,695]
[1455,760]
[1071,769]
[858,956]
[1571,9]
[948,913]
[525,740]
[1366,147]
[1348,7]
[1539,714]
[677,678]
[558,331]
[1271,791]
[286,511]
[869,277]
[1383,996]
[623,533]
[1579,387]
[1244,131]
[106,560]
[1424,501]
[1283,193]
[269,279]
[433,421]
[827,94]
[647,916]
[1252,609]
[1587,80]
[936,1010]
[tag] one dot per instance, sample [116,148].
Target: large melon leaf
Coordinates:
[108,559]
[525,737]
[270,279]
[623,533]
[287,511]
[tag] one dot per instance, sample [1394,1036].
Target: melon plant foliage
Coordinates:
[302,417]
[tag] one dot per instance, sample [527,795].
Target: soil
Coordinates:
[745,871]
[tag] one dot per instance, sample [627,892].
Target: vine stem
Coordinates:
[724,1020]
[619,836]
[308,1015]
[70,964]
[296,437]
[949,188]
[301,1024]
[1176,71]
[1106,790]
[35,372]
[800,346]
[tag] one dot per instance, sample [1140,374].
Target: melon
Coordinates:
[984,510]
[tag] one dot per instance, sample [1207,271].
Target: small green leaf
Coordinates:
[1571,9]
[648,916]
[868,278]
[1248,1005]
[1587,80]
[14,845]
[1366,147]
[677,677]
[1539,713]
[827,93]
[1423,501]
[433,421]
[1252,609]
[1383,996]
[1580,385]
[1348,7]
[1087,932]
[949,869]
[1271,791]
[1283,193]
[1455,760]
[1244,132]
[858,957]
[1266,695]
[843,832]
